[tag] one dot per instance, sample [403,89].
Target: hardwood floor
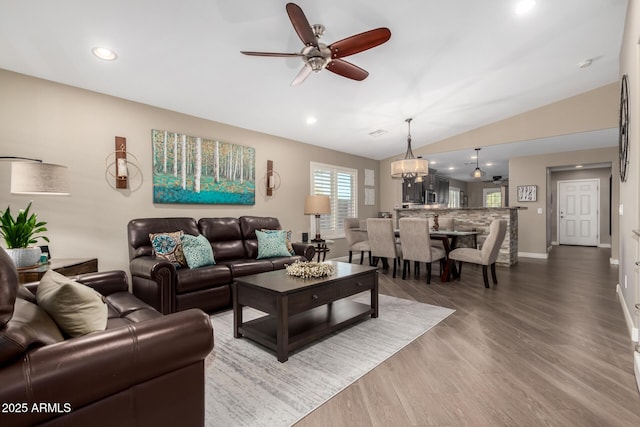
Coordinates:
[548,345]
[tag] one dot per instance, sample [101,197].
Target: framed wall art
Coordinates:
[527,193]
[195,170]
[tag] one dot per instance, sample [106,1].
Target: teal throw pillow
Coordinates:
[287,239]
[197,251]
[272,244]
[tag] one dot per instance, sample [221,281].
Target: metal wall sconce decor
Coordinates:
[121,165]
[272,179]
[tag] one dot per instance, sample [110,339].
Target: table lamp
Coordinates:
[317,205]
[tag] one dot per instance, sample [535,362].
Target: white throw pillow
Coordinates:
[76,308]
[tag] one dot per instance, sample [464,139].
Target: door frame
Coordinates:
[598,183]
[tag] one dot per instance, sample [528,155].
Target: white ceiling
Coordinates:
[452,65]
[494,159]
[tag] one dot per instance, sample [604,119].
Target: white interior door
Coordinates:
[578,217]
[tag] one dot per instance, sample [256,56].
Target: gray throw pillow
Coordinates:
[76,308]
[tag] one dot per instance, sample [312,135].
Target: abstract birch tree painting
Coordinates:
[189,169]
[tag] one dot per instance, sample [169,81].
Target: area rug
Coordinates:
[245,385]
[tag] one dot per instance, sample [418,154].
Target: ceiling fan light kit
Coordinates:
[410,168]
[318,56]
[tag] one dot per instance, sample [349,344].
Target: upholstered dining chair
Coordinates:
[357,239]
[416,246]
[487,255]
[382,241]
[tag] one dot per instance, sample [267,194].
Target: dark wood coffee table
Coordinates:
[300,311]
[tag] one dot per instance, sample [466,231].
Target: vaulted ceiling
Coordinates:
[451,65]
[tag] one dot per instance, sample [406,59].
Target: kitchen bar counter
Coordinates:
[475,219]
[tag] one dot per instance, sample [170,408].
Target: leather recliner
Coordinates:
[235,247]
[145,369]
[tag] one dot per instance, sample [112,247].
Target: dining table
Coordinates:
[449,239]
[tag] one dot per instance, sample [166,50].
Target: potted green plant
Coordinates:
[20,233]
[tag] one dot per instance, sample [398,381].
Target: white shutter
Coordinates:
[340,184]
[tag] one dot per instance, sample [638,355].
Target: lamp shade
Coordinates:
[314,205]
[39,178]
[409,167]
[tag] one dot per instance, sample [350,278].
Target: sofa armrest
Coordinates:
[154,282]
[304,249]
[151,267]
[83,370]
[105,282]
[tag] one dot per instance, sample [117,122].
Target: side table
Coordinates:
[321,248]
[64,266]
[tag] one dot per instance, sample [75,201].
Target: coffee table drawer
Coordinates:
[305,300]
[356,285]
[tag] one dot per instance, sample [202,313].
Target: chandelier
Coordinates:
[409,168]
[477,172]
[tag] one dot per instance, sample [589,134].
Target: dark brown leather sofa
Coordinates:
[235,249]
[145,369]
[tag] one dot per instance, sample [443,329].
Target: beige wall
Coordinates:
[629,191]
[602,175]
[532,170]
[593,110]
[75,127]
[475,191]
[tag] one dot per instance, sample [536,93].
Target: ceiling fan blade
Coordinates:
[347,69]
[359,42]
[270,54]
[301,25]
[302,75]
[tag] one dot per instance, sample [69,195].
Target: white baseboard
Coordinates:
[633,329]
[636,368]
[600,245]
[613,261]
[533,255]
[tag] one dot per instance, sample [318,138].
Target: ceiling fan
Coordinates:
[498,180]
[318,56]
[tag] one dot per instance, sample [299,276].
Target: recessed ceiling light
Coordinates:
[524,6]
[311,120]
[104,53]
[579,166]
[489,164]
[432,162]
[451,168]
[585,63]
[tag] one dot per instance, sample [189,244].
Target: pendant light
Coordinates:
[477,172]
[409,168]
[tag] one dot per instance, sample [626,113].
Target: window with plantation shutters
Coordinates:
[340,184]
